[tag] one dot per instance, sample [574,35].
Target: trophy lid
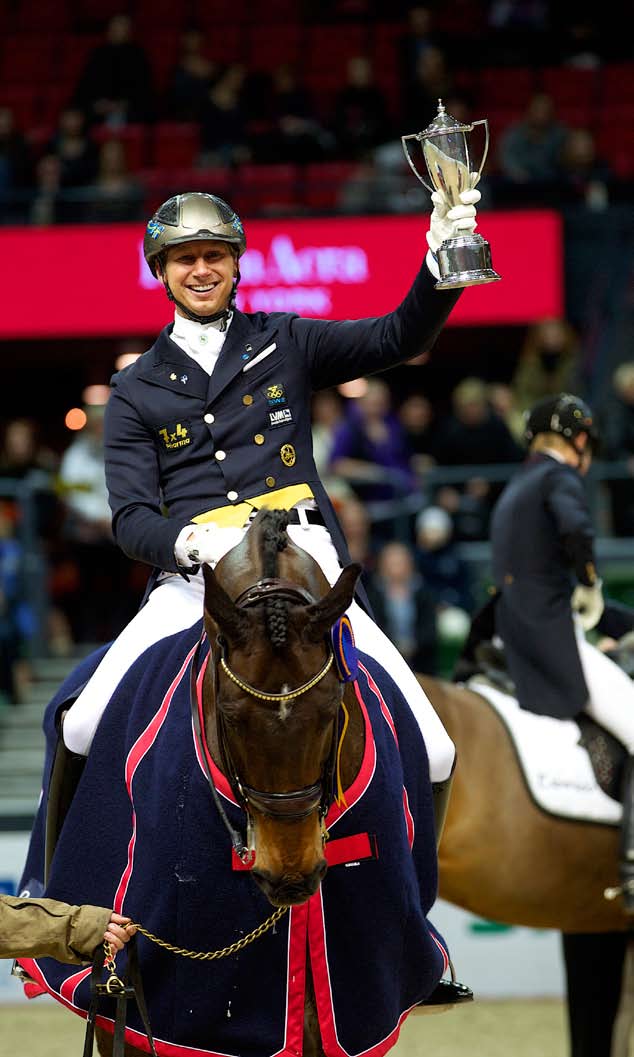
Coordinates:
[444,123]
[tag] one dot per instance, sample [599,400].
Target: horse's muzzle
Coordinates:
[286,890]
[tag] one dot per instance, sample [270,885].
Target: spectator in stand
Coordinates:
[360,116]
[355,522]
[24,459]
[116,196]
[469,509]
[474,435]
[15,169]
[370,448]
[47,205]
[102,603]
[16,617]
[190,79]
[327,416]
[417,417]
[433,81]
[548,362]
[438,560]
[417,38]
[530,150]
[223,134]
[585,176]
[116,84]
[617,433]
[520,30]
[75,150]
[503,402]
[298,136]
[403,607]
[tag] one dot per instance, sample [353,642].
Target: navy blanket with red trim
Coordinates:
[143,835]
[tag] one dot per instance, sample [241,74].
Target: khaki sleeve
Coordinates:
[45,928]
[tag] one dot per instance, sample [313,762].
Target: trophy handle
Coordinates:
[483,121]
[416,136]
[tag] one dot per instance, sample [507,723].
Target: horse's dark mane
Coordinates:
[273,539]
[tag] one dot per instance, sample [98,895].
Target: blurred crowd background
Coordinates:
[296,109]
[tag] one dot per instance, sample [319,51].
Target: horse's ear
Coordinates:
[322,615]
[231,621]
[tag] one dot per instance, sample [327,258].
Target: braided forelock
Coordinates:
[273,540]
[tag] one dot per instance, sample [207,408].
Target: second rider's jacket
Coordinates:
[542,543]
[181,443]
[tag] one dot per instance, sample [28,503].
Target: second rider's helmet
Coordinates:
[564,414]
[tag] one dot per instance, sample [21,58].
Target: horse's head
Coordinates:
[274,698]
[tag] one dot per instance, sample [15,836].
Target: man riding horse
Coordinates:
[542,541]
[213,423]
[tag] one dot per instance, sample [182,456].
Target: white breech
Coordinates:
[610,690]
[176,604]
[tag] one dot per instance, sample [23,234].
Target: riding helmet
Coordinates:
[191,217]
[565,414]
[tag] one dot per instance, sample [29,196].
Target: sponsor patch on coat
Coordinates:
[175,436]
[282,416]
[275,394]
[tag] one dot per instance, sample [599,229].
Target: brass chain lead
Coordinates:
[208,956]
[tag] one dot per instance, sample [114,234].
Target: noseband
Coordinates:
[298,803]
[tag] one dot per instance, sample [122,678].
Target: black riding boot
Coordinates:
[627,837]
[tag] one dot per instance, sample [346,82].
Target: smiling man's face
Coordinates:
[200,275]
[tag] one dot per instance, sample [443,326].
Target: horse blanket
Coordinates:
[555,764]
[143,835]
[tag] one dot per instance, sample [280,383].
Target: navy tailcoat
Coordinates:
[180,443]
[540,522]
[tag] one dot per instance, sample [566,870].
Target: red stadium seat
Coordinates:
[507,86]
[42,16]
[160,184]
[23,100]
[323,182]
[568,85]
[270,46]
[134,139]
[28,59]
[176,144]
[617,83]
[328,48]
[270,189]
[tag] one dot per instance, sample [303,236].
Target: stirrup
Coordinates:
[446,995]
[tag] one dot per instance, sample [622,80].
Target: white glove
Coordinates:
[588,604]
[446,223]
[196,544]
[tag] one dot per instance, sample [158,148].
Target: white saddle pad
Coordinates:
[556,767]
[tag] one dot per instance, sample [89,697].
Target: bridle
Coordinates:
[296,804]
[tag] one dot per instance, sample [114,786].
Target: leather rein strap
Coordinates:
[121,991]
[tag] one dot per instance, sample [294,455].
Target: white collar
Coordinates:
[189,330]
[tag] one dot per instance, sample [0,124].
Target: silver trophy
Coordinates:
[464,260]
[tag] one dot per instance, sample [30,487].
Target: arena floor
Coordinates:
[484,1029]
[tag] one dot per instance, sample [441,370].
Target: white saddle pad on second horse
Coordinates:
[557,769]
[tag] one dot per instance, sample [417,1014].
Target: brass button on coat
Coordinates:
[270,482]
[247,400]
[508,578]
[259,438]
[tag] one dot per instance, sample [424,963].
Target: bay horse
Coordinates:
[502,858]
[286,746]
